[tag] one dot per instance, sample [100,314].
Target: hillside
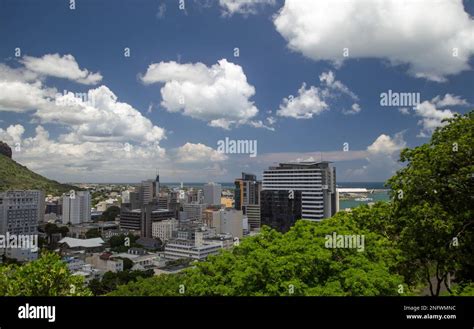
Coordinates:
[15,176]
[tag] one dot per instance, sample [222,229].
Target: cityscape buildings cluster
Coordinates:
[167,223]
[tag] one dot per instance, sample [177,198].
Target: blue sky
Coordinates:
[279,50]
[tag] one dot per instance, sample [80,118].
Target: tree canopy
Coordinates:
[47,276]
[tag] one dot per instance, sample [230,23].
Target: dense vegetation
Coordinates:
[15,176]
[47,276]
[422,238]
[110,281]
[110,213]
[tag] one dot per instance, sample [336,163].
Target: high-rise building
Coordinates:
[314,181]
[76,207]
[212,193]
[278,210]
[148,190]
[253,215]
[20,213]
[247,191]
[247,198]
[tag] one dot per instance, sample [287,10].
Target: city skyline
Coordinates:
[137,108]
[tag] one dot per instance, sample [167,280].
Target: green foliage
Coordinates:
[111,280]
[47,276]
[14,176]
[294,263]
[110,213]
[93,233]
[117,243]
[433,221]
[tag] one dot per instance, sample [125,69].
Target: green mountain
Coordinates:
[14,176]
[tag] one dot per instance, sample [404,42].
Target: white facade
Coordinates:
[164,229]
[20,213]
[212,193]
[187,249]
[316,181]
[228,221]
[77,207]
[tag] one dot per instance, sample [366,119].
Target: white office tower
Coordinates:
[148,190]
[315,180]
[212,193]
[77,207]
[126,196]
[20,213]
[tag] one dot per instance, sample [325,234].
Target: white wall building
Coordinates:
[212,193]
[77,207]
[20,213]
[164,229]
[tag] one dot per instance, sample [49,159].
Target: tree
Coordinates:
[93,233]
[47,276]
[110,213]
[117,242]
[432,205]
[295,263]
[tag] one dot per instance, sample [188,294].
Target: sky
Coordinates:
[114,91]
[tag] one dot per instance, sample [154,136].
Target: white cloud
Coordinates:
[355,108]
[329,79]
[315,100]
[161,11]
[219,94]
[431,118]
[85,160]
[18,74]
[191,153]
[261,124]
[309,102]
[58,66]
[244,7]
[12,134]
[415,32]
[404,110]
[449,100]
[382,158]
[387,145]
[18,96]
[100,117]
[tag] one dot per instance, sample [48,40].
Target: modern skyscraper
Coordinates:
[316,181]
[20,213]
[212,193]
[77,207]
[148,190]
[279,209]
[247,198]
